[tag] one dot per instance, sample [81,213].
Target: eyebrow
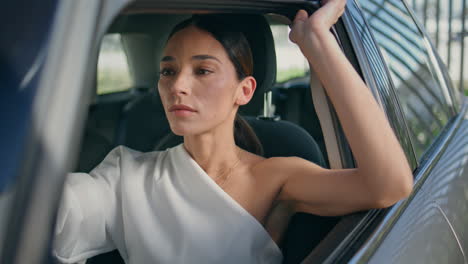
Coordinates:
[168,58]
[205,57]
[196,57]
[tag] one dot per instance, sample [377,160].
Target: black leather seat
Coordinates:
[95,147]
[143,123]
[295,141]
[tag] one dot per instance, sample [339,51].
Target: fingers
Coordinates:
[322,19]
[298,25]
[338,7]
[340,4]
[329,13]
[301,16]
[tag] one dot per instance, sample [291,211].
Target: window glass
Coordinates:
[113,70]
[421,91]
[290,62]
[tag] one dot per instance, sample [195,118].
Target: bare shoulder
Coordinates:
[286,164]
[262,169]
[284,167]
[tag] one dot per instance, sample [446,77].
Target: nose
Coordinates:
[181,84]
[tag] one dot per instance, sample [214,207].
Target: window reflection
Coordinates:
[418,87]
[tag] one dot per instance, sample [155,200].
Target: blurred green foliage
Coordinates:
[289,74]
[111,80]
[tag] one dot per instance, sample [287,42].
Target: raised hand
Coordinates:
[306,31]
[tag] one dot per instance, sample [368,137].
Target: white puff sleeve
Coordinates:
[89,207]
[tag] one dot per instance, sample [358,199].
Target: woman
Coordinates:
[207,200]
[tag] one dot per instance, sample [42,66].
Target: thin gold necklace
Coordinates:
[225,175]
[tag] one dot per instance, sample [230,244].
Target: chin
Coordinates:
[188,129]
[182,130]
[179,131]
[192,127]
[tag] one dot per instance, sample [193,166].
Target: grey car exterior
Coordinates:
[431,226]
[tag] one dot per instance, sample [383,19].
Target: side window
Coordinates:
[290,62]
[113,69]
[420,87]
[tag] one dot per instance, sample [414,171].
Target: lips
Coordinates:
[181,107]
[181,110]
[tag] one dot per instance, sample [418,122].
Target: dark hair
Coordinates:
[225,30]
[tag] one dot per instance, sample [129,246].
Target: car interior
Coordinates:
[287,117]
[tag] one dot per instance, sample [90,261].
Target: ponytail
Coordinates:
[245,136]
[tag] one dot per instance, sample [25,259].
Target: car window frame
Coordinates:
[437,63]
[51,151]
[22,60]
[440,78]
[383,89]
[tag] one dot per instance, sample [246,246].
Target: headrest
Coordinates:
[258,33]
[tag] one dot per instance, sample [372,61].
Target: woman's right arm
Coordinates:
[88,211]
[382,175]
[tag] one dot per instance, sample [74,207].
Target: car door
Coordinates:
[428,227]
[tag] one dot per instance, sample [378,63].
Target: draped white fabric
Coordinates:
[156,207]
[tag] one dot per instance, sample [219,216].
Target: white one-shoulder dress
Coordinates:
[156,207]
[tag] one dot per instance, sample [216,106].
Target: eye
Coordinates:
[166,72]
[202,71]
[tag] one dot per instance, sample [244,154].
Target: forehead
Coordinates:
[192,41]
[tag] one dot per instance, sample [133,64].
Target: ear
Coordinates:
[246,90]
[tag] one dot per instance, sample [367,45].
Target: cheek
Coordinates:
[218,93]
[163,87]
[217,101]
[162,91]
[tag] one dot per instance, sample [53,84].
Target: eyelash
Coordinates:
[202,71]
[166,72]
[170,72]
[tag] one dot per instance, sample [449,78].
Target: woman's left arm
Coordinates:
[382,176]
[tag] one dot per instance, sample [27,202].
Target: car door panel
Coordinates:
[448,186]
[435,215]
[429,226]
[432,228]
[421,235]
[432,225]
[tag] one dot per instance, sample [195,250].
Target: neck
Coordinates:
[214,151]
